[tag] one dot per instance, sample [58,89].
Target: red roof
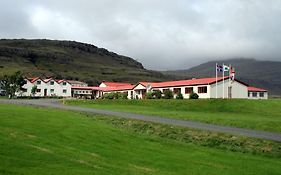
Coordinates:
[254,89]
[105,89]
[199,81]
[32,80]
[114,84]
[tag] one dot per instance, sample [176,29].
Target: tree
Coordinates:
[33,90]
[12,83]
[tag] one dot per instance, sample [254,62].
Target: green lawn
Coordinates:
[49,141]
[255,114]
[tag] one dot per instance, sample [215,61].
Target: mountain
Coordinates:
[263,74]
[71,60]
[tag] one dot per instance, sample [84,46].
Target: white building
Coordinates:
[46,87]
[204,87]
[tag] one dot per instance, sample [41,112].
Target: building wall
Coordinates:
[238,90]
[250,95]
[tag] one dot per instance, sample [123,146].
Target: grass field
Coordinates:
[49,141]
[254,114]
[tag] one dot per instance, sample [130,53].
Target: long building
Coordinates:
[206,88]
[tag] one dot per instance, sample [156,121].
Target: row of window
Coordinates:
[255,94]
[189,90]
[52,90]
[51,83]
[79,92]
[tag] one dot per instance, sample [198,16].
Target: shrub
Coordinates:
[108,96]
[193,95]
[179,96]
[157,94]
[168,94]
[115,95]
[149,95]
[124,95]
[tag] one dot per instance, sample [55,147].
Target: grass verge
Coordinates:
[253,114]
[51,141]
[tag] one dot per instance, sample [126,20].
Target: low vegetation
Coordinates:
[254,114]
[49,141]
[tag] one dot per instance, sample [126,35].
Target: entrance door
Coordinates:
[45,92]
[230,92]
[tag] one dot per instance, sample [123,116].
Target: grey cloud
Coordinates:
[160,34]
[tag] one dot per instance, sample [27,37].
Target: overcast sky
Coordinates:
[175,34]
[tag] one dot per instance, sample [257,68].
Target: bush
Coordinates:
[157,94]
[115,95]
[193,95]
[108,96]
[168,94]
[179,96]
[149,95]
[124,95]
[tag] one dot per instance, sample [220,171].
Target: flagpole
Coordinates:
[223,80]
[216,80]
[229,79]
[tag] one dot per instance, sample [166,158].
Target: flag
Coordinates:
[219,68]
[225,68]
[232,73]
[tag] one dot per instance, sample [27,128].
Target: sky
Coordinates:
[161,34]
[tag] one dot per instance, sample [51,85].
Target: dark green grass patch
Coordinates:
[49,141]
[254,114]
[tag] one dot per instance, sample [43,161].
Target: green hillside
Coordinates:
[48,141]
[71,60]
[263,74]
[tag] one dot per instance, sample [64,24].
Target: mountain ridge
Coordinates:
[260,73]
[70,60]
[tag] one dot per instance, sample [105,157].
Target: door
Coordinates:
[230,92]
[45,92]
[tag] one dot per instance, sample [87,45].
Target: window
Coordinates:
[64,91]
[202,89]
[255,94]
[64,83]
[24,90]
[38,90]
[38,82]
[52,82]
[188,90]
[52,90]
[177,90]
[249,94]
[164,90]
[261,94]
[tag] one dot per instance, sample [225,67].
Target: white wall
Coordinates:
[238,90]
[186,96]
[102,85]
[57,89]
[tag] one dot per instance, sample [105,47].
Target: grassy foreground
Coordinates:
[49,141]
[254,114]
